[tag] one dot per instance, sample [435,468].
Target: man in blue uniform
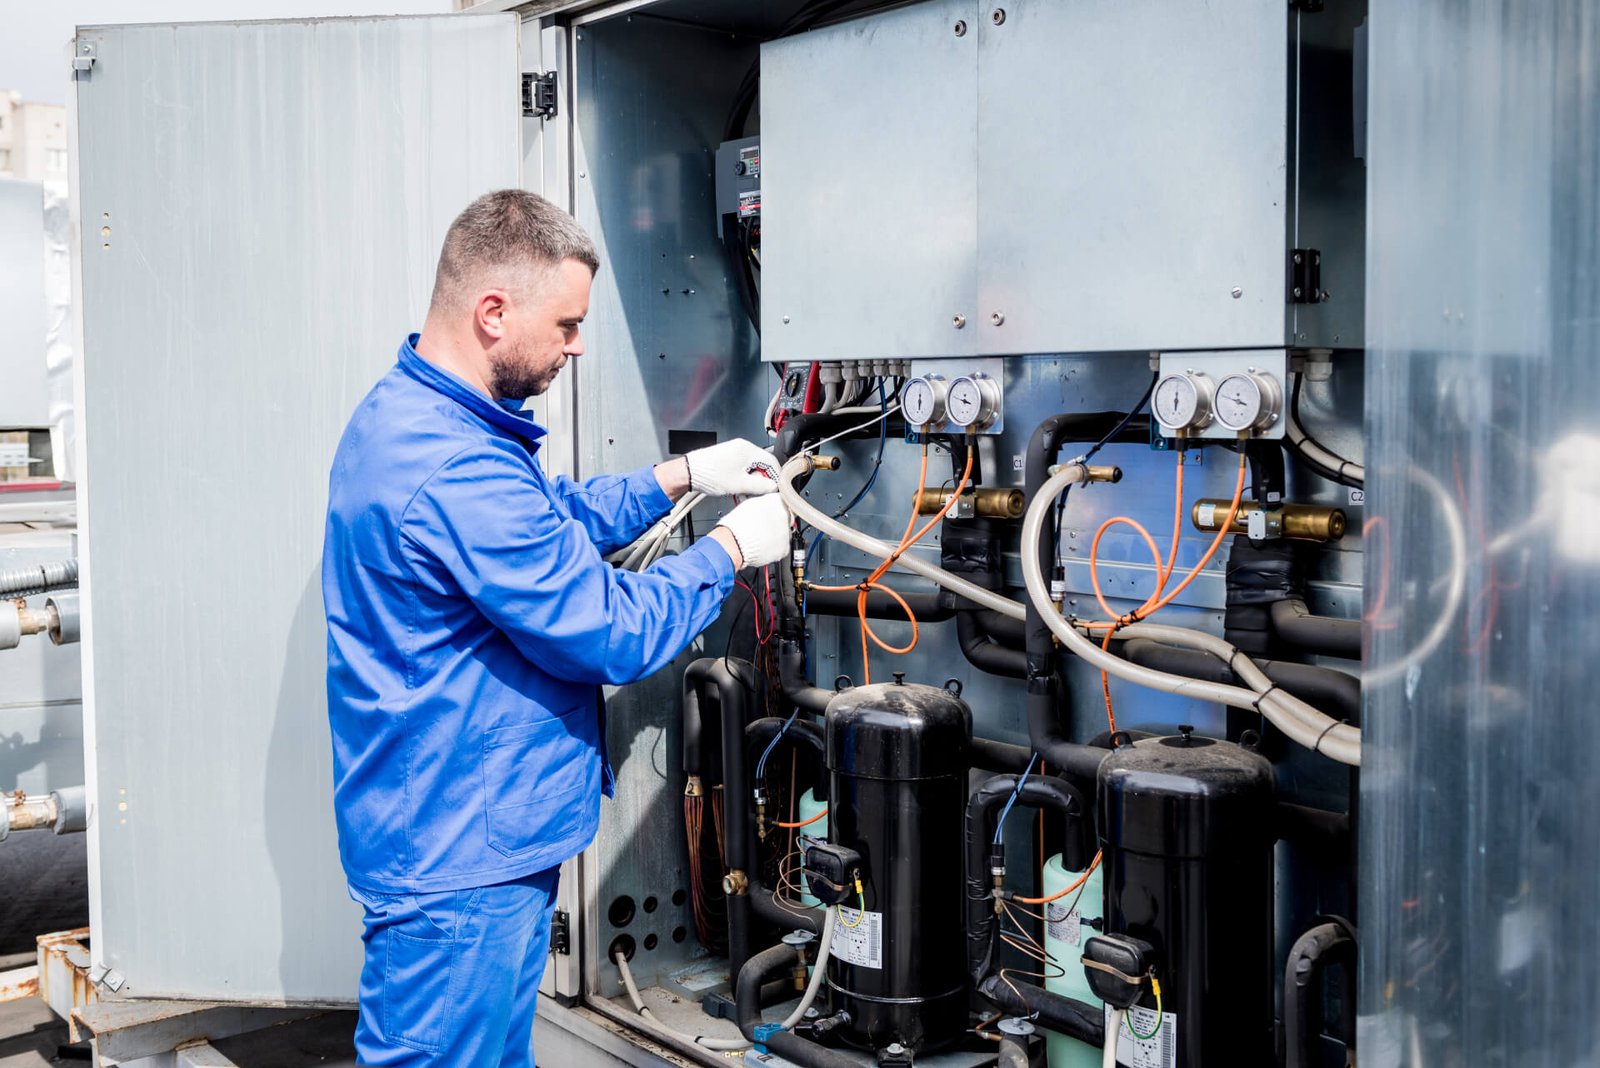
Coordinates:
[471,619]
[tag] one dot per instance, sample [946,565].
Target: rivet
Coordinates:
[999,16]
[997,318]
[1237,292]
[958,321]
[961,28]
[785,318]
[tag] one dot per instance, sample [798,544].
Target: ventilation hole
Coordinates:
[650,903]
[679,897]
[649,941]
[621,912]
[679,934]
[623,944]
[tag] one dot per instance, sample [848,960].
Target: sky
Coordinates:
[34,33]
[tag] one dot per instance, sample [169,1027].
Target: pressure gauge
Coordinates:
[1182,402]
[974,401]
[1248,401]
[923,400]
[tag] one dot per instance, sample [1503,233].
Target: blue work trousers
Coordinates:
[452,978]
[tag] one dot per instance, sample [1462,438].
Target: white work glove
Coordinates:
[732,468]
[760,526]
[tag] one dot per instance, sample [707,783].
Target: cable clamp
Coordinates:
[1317,747]
[1264,694]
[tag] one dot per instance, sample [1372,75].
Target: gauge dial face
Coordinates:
[922,400]
[1246,402]
[972,401]
[1182,402]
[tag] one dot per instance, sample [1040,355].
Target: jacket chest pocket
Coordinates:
[538,778]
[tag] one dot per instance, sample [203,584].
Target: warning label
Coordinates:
[1160,1050]
[1065,925]
[858,938]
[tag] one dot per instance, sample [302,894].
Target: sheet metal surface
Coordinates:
[1481,853]
[261,207]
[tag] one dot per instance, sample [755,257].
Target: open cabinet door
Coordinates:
[260,207]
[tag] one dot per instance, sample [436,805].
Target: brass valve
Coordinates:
[988,502]
[1304,522]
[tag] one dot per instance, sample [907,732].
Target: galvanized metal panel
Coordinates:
[1131,175]
[669,347]
[261,207]
[1480,851]
[22,305]
[870,187]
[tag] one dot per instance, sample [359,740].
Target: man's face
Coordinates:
[539,332]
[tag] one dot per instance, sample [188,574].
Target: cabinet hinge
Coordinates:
[561,933]
[1305,276]
[539,95]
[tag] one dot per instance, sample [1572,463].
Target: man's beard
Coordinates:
[514,377]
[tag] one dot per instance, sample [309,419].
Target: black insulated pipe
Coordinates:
[1334,692]
[1322,945]
[792,678]
[983,814]
[807,1054]
[1049,729]
[990,755]
[1063,1015]
[935,607]
[765,905]
[800,430]
[986,654]
[732,680]
[747,988]
[1294,624]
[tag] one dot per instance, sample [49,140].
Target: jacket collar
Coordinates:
[506,415]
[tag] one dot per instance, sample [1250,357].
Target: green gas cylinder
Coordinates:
[1065,933]
[810,806]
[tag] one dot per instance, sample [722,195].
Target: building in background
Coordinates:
[33,141]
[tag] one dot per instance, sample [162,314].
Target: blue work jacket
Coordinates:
[471,620]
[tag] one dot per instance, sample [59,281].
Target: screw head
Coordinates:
[1237,292]
[997,318]
[958,321]
[961,28]
[785,318]
[999,16]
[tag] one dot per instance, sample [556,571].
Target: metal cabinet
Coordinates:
[1038,177]
[260,209]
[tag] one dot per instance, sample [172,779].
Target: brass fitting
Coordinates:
[735,883]
[1104,473]
[988,502]
[825,463]
[1093,472]
[1303,522]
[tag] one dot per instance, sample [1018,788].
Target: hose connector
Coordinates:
[824,463]
[736,883]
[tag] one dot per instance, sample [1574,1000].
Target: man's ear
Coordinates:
[489,313]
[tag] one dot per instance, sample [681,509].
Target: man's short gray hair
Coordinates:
[507,230]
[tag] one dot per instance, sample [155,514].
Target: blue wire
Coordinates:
[1000,825]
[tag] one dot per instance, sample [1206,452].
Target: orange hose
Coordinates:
[1093,864]
[805,823]
[907,540]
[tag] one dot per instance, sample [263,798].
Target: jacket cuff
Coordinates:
[646,489]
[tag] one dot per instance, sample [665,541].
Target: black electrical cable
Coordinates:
[1320,469]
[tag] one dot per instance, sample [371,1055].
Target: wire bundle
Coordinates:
[706,901]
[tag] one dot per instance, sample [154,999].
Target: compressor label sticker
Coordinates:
[1064,925]
[858,938]
[1160,1050]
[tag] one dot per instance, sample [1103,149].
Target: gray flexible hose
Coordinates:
[38,578]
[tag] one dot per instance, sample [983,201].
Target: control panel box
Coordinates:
[1044,178]
[738,181]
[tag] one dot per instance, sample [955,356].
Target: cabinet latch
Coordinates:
[539,95]
[561,933]
[1305,276]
